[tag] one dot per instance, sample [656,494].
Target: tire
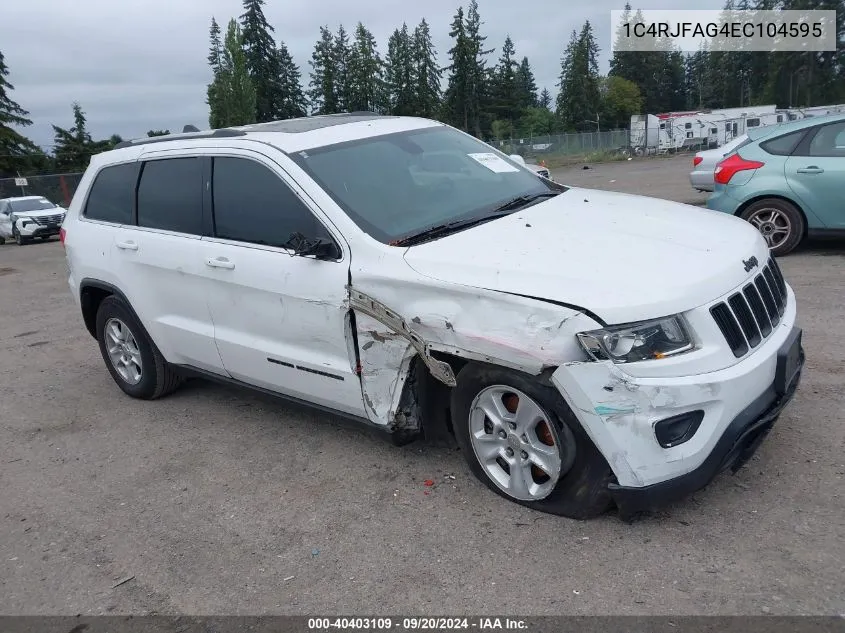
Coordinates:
[150,375]
[20,239]
[769,216]
[580,489]
[2,240]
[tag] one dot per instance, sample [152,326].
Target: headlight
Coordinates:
[646,340]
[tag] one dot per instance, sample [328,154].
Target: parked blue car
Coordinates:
[788,181]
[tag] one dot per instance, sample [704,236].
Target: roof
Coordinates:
[293,135]
[793,126]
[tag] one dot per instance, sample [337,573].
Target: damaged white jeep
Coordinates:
[584,348]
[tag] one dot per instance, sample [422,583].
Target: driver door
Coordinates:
[280,319]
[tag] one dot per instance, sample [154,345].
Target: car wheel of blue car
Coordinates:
[779,222]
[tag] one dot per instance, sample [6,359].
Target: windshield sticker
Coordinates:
[493,162]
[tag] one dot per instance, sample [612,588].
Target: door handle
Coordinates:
[812,169]
[129,245]
[220,262]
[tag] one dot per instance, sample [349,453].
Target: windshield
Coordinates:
[397,185]
[38,204]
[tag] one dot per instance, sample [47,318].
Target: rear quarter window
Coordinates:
[782,145]
[110,198]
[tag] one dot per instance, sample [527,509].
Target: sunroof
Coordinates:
[307,124]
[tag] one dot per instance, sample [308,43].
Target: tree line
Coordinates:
[255,79]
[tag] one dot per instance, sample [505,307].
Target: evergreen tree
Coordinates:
[341,52]
[232,93]
[506,87]
[458,90]
[261,59]
[527,85]
[578,102]
[400,97]
[467,90]
[479,93]
[73,147]
[291,102]
[324,91]
[152,133]
[215,53]
[545,99]
[426,72]
[365,68]
[14,147]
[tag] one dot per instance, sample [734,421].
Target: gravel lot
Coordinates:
[217,501]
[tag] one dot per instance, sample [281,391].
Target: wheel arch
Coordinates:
[92,292]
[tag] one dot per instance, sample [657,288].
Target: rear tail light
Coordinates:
[62,236]
[734,163]
[696,160]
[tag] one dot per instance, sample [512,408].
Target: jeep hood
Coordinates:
[622,257]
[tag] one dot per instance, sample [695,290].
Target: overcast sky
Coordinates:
[136,65]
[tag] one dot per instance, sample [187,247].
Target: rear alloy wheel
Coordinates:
[520,438]
[779,222]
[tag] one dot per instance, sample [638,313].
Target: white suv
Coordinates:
[584,347]
[26,217]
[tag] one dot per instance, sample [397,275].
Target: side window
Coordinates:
[170,195]
[752,123]
[829,140]
[783,145]
[252,204]
[688,126]
[110,198]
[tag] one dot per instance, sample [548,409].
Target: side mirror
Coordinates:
[319,247]
[518,159]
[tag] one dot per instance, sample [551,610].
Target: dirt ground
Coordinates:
[219,501]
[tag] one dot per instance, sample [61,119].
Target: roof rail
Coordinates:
[221,133]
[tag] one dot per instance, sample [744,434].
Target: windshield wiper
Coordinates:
[445,229]
[520,202]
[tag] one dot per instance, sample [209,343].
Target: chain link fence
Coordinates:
[57,188]
[574,144]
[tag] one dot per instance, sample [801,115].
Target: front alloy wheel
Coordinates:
[515,444]
[521,439]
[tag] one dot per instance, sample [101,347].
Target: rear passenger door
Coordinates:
[816,172]
[158,260]
[280,319]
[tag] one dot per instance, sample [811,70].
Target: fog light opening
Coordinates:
[678,429]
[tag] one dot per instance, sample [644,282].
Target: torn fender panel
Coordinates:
[619,411]
[504,329]
[487,326]
[385,358]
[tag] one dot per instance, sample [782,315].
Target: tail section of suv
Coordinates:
[401,273]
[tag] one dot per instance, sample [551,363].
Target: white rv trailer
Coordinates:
[672,131]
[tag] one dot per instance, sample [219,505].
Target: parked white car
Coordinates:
[704,163]
[540,170]
[28,217]
[584,347]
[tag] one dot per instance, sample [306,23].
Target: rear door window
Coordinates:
[110,199]
[170,195]
[829,140]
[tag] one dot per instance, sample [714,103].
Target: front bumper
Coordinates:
[735,447]
[619,411]
[31,229]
